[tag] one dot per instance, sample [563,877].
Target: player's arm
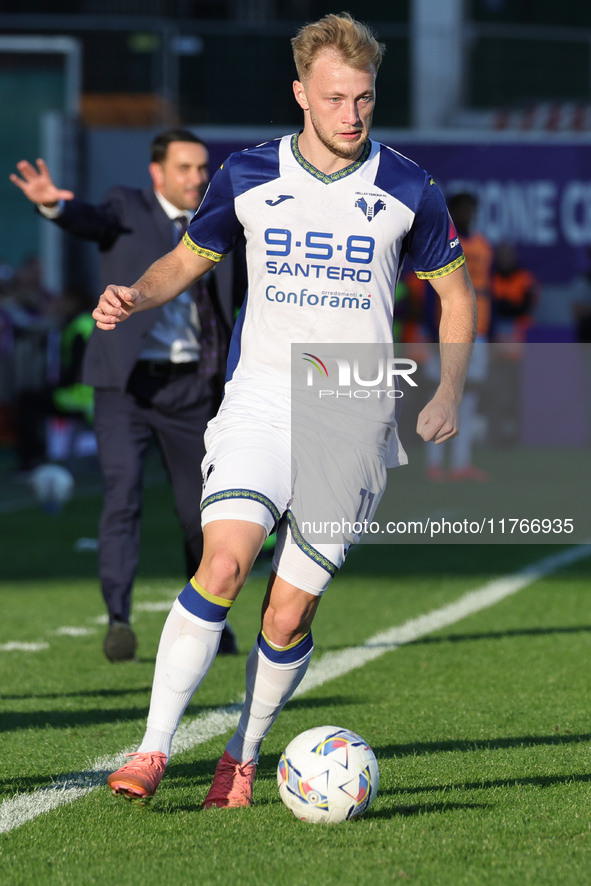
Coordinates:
[164,280]
[438,421]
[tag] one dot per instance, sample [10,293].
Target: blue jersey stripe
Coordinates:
[236,341]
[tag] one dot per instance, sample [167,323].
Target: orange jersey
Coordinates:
[514,296]
[518,289]
[479,259]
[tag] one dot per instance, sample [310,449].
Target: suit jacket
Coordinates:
[133,231]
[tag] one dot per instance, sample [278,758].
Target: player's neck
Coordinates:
[321,157]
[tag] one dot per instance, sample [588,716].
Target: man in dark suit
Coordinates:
[160,375]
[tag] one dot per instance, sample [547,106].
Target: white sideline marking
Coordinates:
[160,606]
[15,646]
[73,631]
[101,620]
[68,631]
[26,807]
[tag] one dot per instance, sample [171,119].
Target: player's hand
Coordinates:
[115,305]
[438,421]
[37,184]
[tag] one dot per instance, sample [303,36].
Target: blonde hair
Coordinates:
[353,40]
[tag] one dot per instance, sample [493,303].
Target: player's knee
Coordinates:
[285,625]
[224,572]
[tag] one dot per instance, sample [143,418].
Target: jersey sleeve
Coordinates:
[433,244]
[214,229]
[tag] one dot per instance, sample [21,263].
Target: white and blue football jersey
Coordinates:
[324,252]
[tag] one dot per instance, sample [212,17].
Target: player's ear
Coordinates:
[300,95]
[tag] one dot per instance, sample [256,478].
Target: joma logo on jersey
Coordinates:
[279,199]
[370,211]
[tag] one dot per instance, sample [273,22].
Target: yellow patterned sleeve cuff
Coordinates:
[442,272]
[204,253]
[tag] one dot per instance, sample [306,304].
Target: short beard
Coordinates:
[343,150]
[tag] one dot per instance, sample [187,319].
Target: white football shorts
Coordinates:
[318,496]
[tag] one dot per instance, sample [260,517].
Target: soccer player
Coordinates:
[322,203]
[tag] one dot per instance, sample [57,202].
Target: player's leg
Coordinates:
[277,663]
[192,631]
[275,667]
[236,521]
[188,646]
[274,670]
[304,566]
[247,485]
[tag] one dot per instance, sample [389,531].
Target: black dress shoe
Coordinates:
[228,643]
[120,642]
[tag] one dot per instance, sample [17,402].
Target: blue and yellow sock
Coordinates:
[273,673]
[197,604]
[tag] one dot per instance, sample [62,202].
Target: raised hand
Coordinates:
[37,184]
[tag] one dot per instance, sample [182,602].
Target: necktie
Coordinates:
[202,292]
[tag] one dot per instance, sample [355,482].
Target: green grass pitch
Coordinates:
[482,730]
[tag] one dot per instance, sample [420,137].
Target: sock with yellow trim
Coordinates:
[272,676]
[188,647]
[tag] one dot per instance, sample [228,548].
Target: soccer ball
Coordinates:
[328,774]
[53,486]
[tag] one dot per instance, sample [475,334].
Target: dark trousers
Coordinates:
[175,411]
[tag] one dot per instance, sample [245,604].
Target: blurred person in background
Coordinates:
[24,298]
[68,396]
[28,316]
[515,295]
[161,375]
[580,304]
[479,258]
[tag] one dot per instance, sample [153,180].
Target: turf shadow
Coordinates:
[83,693]
[419,809]
[23,784]
[544,781]
[470,745]
[499,635]
[13,720]
[335,701]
